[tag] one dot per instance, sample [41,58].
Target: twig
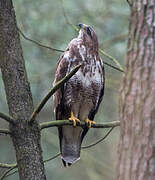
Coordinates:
[6,172]
[115,39]
[51,158]
[7,118]
[45,161]
[100,140]
[5,131]
[12,173]
[128,1]
[100,50]
[66,18]
[67,122]
[58,154]
[112,66]
[83,147]
[58,50]
[51,92]
[3,165]
[39,44]
[111,58]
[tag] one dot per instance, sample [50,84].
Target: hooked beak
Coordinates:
[83,27]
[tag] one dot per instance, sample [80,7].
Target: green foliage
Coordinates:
[45,22]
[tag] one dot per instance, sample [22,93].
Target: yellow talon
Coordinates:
[74,119]
[89,122]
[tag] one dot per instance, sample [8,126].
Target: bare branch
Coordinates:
[39,44]
[7,118]
[100,140]
[13,166]
[100,50]
[128,1]
[66,18]
[6,172]
[11,173]
[58,50]
[83,147]
[67,122]
[112,66]
[5,131]
[111,58]
[51,92]
[3,165]
[113,40]
[53,157]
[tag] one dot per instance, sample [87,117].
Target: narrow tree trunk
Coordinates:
[26,139]
[136,152]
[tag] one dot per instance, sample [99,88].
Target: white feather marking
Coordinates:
[66,55]
[88,79]
[82,51]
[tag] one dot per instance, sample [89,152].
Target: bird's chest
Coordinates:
[87,81]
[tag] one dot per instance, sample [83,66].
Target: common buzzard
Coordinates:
[79,98]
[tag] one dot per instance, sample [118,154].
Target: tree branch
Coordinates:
[7,118]
[130,4]
[100,140]
[13,166]
[66,18]
[3,165]
[51,92]
[111,58]
[39,44]
[6,172]
[5,131]
[58,50]
[100,50]
[82,124]
[112,66]
[11,173]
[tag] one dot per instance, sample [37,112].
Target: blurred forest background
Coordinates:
[45,21]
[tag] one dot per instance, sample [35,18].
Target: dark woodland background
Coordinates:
[45,21]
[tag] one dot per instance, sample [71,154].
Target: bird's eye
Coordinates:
[89,32]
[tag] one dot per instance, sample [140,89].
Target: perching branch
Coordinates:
[55,156]
[5,131]
[51,92]
[82,124]
[3,165]
[7,118]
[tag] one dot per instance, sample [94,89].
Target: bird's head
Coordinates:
[88,35]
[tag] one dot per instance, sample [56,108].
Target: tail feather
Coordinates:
[70,144]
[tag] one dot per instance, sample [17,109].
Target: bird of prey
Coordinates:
[79,98]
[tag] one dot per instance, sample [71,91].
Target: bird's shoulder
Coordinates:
[70,55]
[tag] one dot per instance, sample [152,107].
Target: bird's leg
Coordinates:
[74,119]
[89,122]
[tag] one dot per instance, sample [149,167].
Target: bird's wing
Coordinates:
[61,71]
[63,68]
[94,111]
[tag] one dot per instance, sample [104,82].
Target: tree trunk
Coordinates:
[136,152]
[26,138]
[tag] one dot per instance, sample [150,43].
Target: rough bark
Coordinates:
[26,138]
[136,152]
